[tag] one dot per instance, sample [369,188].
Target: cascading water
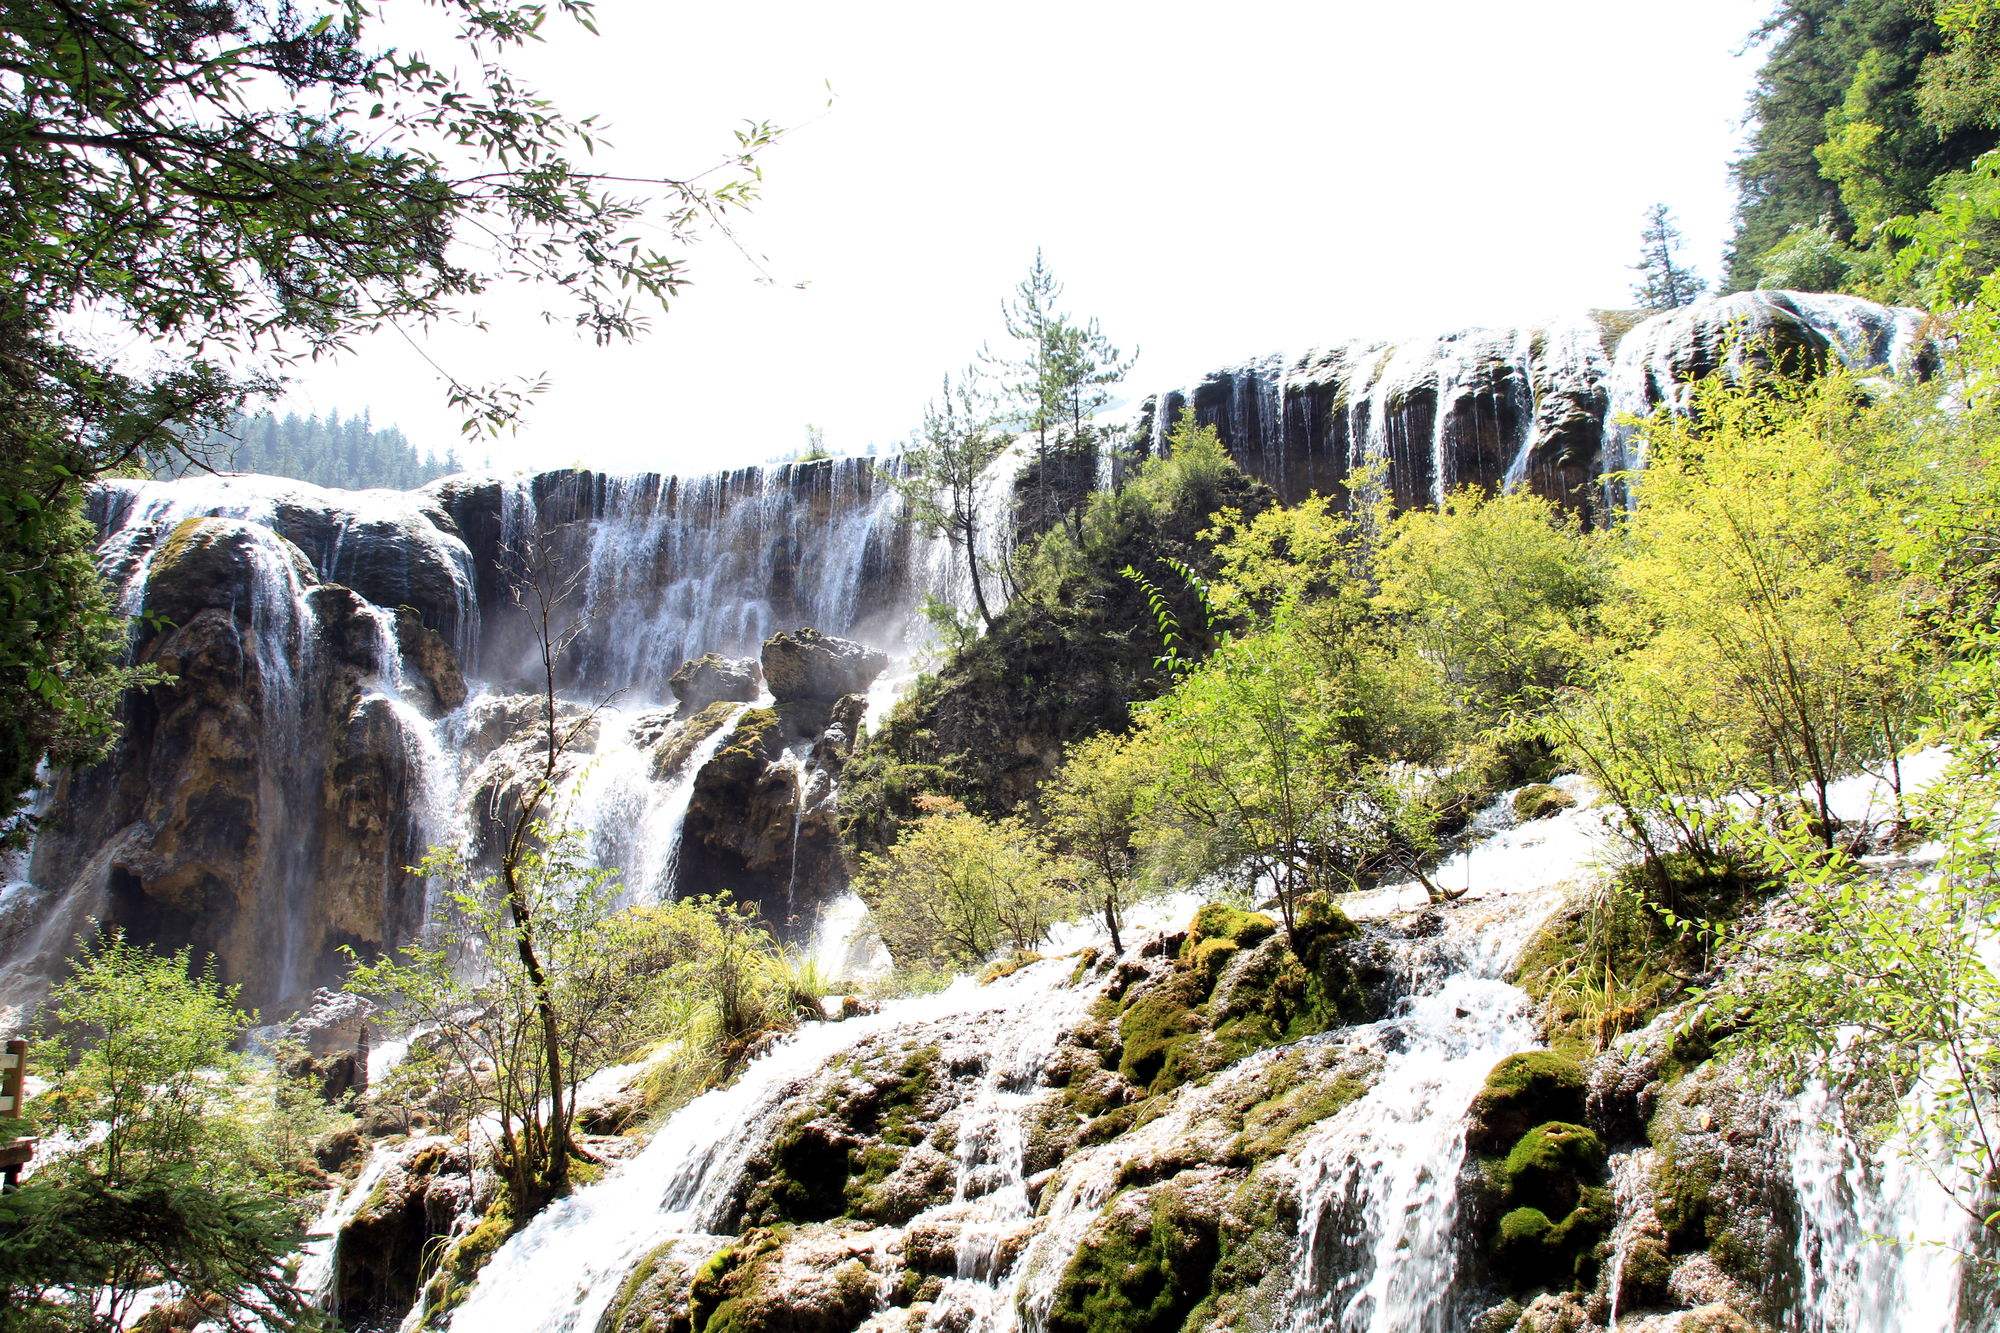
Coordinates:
[560,1273]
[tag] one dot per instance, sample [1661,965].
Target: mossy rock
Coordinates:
[452,1282]
[1271,1126]
[1150,1028]
[1142,1268]
[1207,958]
[1540,801]
[1522,1091]
[1220,921]
[1530,1251]
[1550,1167]
[1008,966]
[653,1296]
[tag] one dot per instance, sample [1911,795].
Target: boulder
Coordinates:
[807,666]
[713,678]
[432,658]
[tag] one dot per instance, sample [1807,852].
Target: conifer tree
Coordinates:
[1664,282]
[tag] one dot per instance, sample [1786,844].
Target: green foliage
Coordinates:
[1755,641]
[240,186]
[1063,662]
[1090,813]
[955,888]
[700,971]
[1854,108]
[174,1161]
[1494,591]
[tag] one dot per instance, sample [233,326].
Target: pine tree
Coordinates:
[1664,283]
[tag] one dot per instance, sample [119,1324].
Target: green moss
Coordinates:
[1207,958]
[1608,965]
[1550,1166]
[1008,966]
[1540,801]
[1138,1273]
[1152,1026]
[1272,1125]
[639,1306]
[1521,1091]
[452,1281]
[1220,921]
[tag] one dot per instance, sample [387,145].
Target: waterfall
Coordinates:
[560,1272]
[1879,1238]
[1378,1249]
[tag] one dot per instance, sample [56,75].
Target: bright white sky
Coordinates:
[1213,182]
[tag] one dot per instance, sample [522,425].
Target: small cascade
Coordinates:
[282,635]
[1629,1174]
[631,819]
[432,768]
[1878,1237]
[561,1272]
[1378,1184]
[319,1261]
[990,1196]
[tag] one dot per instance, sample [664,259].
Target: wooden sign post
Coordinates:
[14,1153]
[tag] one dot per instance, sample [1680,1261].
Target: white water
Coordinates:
[562,1270]
[1378,1244]
[1878,1237]
[631,819]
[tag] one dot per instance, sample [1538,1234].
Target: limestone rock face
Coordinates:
[431,657]
[761,818]
[262,807]
[806,666]
[1530,407]
[713,678]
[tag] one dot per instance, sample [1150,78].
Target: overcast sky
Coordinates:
[1213,182]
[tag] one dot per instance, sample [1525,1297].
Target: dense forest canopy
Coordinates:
[351,452]
[1861,112]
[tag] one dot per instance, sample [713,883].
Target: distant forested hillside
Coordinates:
[331,451]
[1862,112]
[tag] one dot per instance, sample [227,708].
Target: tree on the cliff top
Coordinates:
[1664,282]
[1059,375]
[238,186]
[940,472]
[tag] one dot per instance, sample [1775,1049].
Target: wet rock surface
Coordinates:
[713,678]
[806,666]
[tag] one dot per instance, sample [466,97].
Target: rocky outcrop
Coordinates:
[388,1248]
[261,807]
[761,817]
[1532,406]
[806,666]
[713,678]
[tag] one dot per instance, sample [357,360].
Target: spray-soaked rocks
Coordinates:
[386,1251]
[814,1279]
[808,666]
[761,818]
[713,678]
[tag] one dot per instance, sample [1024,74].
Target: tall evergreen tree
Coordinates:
[1664,282]
[1058,378]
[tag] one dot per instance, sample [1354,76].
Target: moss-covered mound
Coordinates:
[1539,801]
[1523,1090]
[1235,987]
[1608,963]
[858,1150]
